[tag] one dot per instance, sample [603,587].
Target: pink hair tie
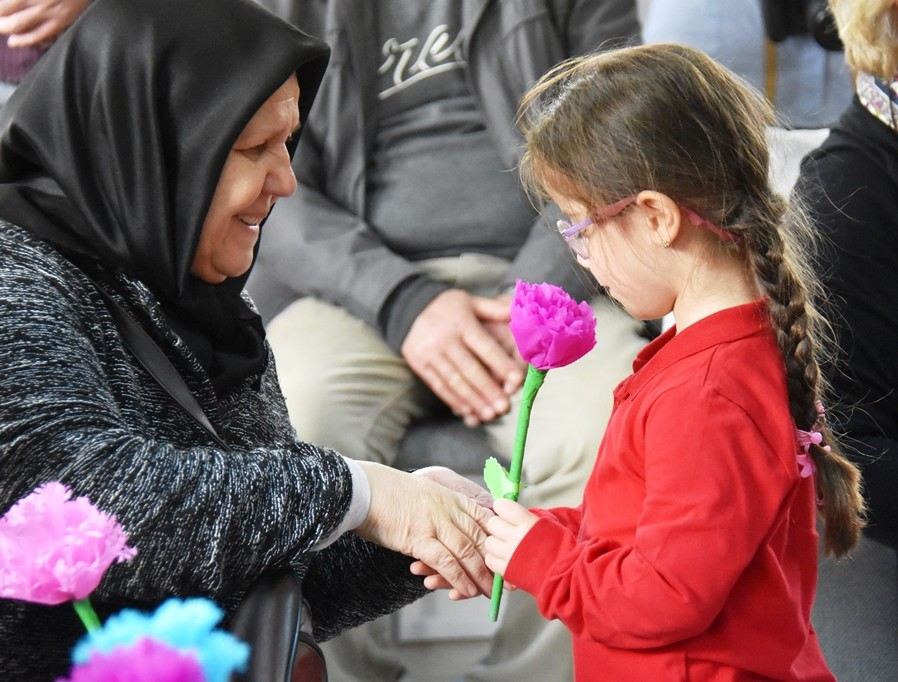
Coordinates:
[805,460]
[699,221]
[808,438]
[806,467]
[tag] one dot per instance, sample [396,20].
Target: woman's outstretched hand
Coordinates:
[418,517]
[506,529]
[455,481]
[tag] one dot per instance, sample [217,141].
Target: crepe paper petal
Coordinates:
[147,660]
[550,328]
[497,480]
[55,549]
[186,625]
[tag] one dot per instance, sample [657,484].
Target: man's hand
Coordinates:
[423,519]
[35,22]
[495,313]
[452,351]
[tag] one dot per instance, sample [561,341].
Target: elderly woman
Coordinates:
[850,184]
[138,162]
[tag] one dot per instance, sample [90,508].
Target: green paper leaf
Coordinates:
[497,480]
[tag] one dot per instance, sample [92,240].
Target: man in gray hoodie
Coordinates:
[386,278]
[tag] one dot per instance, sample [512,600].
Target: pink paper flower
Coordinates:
[145,661]
[55,549]
[549,327]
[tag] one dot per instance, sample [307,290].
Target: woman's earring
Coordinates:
[666,244]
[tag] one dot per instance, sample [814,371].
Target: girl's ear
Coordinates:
[662,216]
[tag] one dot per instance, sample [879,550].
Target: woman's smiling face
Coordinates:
[256,173]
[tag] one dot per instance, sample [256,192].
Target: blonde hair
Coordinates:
[869,32]
[670,119]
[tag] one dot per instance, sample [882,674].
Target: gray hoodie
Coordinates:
[318,243]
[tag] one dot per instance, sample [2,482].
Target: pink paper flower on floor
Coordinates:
[551,329]
[145,661]
[55,549]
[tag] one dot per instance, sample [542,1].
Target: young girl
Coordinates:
[694,553]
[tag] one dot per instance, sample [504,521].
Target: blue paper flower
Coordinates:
[187,625]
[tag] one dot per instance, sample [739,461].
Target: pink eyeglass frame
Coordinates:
[570,231]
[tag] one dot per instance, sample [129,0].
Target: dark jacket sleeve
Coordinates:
[204,521]
[591,25]
[353,581]
[850,186]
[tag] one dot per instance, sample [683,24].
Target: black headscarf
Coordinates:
[112,146]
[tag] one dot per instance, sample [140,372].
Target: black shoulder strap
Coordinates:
[158,365]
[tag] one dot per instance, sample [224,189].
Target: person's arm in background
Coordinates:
[588,26]
[37,22]
[313,246]
[476,365]
[851,202]
[316,246]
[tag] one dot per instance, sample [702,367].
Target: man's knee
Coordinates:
[344,387]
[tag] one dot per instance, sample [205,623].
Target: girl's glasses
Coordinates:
[573,234]
[579,243]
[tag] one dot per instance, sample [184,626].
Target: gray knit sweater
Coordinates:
[76,407]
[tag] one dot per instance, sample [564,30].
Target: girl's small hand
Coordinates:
[434,581]
[506,530]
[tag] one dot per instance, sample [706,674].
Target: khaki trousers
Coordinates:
[347,390]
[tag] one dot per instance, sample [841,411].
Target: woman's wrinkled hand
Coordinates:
[455,481]
[506,528]
[418,517]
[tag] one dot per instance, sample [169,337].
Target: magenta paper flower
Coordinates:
[145,661]
[55,549]
[551,329]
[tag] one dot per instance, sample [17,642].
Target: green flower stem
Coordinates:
[87,614]
[532,383]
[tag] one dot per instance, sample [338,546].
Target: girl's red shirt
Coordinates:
[693,555]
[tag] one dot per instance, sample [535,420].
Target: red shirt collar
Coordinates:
[723,326]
